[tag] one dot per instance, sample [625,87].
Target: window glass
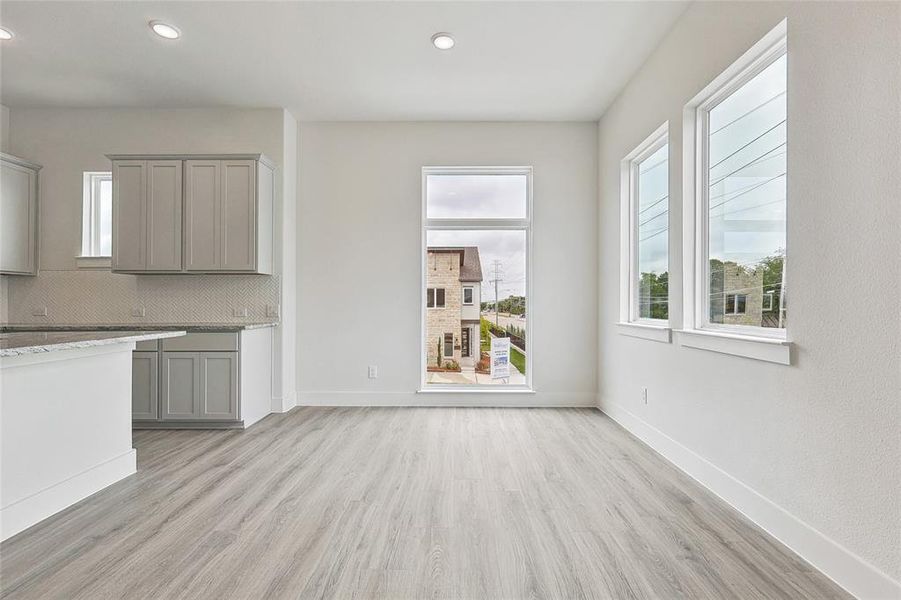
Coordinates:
[467,295]
[106,216]
[476,196]
[746,175]
[652,225]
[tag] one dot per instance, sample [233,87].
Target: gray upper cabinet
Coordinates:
[164,219]
[192,213]
[18,216]
[129,215]
[203,179]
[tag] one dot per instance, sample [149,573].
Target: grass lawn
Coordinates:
[518,360]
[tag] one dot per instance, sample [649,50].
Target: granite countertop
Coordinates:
[34,342]
[17,327]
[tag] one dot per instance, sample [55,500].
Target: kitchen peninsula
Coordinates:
[65,419]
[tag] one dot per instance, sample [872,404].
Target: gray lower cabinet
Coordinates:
[144,386]
[199,386]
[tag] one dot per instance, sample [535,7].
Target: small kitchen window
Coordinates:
[97,220]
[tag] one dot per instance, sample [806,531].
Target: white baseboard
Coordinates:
[281,404]
[28,511]
[845,568]
[536,400]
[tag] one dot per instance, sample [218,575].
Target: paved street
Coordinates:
[504,319]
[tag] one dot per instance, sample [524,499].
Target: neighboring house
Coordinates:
[453,298]
[736,295]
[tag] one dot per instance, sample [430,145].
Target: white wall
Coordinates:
[359,227]
[818,439]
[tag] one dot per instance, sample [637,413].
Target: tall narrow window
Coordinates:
[97,214]
[736,229]
[476,224]
[745,139]
[645,206]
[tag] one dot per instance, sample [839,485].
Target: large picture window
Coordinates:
[476,225]
[735,235]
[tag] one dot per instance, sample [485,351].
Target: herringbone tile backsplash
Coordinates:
[104,297]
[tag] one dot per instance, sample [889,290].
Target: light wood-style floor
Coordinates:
[404,503]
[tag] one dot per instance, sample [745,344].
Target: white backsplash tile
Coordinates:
[104,297]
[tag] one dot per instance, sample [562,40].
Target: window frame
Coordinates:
[435,305]
[762,343]
[506,224]
[90,214]
[471,295]
[630,322]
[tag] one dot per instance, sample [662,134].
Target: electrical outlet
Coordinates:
[239,312]
[644,395]
[138,311]
[273,310]
[39,311]
[373,372]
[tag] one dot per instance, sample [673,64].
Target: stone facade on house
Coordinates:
[728,281]
[451,269]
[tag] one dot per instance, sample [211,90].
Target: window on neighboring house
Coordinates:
[435,298]
[740,199]
[97,215]
[735,304]
[645,232]
[476,224]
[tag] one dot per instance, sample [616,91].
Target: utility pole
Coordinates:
[497,277]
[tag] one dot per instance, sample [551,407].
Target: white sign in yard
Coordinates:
[500,358]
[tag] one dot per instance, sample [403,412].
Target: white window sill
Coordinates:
[486,389]
[759,348]
[93,262]
[646,331]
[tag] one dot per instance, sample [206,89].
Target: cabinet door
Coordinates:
[180,385]
[238,215]
[18,219]
[129,215]
[218,386]
[144,380]
[202,215]
[164,206]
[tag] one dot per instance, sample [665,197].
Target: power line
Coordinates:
[746,191]
[656,202]
[746,145]
[758,160]
[755,109]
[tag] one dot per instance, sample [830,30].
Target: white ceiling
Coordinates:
[332,60]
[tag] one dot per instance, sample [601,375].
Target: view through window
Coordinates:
[97,214]
[651,176]
[746,202]
[475,260]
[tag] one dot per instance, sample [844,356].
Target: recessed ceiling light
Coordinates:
[443,41]
[5,34]
[170,32]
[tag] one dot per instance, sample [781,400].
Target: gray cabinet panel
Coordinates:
[144,381]
[164,207]
[202,215]
[238,215]
[218,385]
[18,219]
[129,215]
[180,385]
